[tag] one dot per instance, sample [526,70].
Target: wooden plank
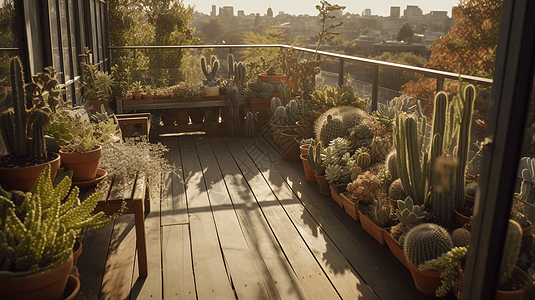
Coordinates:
[208,264]
[362,252]
[309,272]
[122,188]
[240,263]
[150,287]
[277,274]
[340,272]
[173,205]
[140,187]
[92,262]
[178,278]
[129,106]
[117,278]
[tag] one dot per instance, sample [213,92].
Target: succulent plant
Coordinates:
[380,148]
[314,158]
[280,118]
[361,136]
[363,158]
[275,102]
[338,122]
[363,186]
[330,129]
[396,191]
[381,213]
[338,96]
[461,237]
[447,264]
[210,71]
[249,124]
[386,113]
[512,244]
[426,242]
[233,110]
[259,89]
[409,214]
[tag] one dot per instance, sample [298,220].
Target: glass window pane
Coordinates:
[55,38]
[65,45]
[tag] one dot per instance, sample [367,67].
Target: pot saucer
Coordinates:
[101,174]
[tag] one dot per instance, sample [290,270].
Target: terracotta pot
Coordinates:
[84,165]
[304,149]
[23,179]
[124,98]
[468,198]
[72,288]
[460,218]
[323,184]
[278,130]
[137,96]
[309,173]
[76,251]
[350,207]
[373,229]
[211,91]
[270,78]
[289,145]
[148,97]
[305,130]
[394,247]
[45,285]
[426,282]
[336,196]
[503,295]
[339,188]
[527,238]
[96,105]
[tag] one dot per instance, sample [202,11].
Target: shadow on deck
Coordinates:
[241,223]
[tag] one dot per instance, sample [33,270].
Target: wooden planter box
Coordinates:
[337,197]
[371,228]
[395,247]
[350,207]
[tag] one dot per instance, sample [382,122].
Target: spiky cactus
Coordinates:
[381,213]
[396,191]
[363,158]
[280,118]
[314,158]
[411,160]
[409,214]
[391,165]
[275,102]
[233,110]
[230,66]
[341,120]
[379,149]
[330,129]
[461,237]
[426,242]
[210,71]
[361,136]
[292,110]
[249,124]
[512,245]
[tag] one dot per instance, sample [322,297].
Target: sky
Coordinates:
[297,7]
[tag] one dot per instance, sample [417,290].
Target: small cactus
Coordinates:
[513,241]
[363,158]
[210,71]
[381,213]
[409,214]
[314,157]
[396,191]
[461,237]
[426,242]
[379,149]
[275,102]
[280,117]
[392,166]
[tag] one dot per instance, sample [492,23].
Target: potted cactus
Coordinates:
[97,86]
[377,217]
[258,95]
[26,157]
[315,160]
[35,266]
[211,84]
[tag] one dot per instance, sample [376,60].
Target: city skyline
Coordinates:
[298,7]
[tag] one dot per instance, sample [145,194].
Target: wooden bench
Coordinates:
[142,119]
[134,192]
[207,104]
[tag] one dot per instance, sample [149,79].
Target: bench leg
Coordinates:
[141,243]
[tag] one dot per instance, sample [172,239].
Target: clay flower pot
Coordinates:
[84,165]
[373,229]
[395,247]
[335,194]
[45,285]
[350,207]
[426,282]
[309,173]
[137,96]
[23,179]
[323,184]
[304,149]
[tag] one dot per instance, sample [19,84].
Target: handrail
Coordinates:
[440,76]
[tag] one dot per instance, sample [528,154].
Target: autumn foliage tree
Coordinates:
[404,33]
[469,48]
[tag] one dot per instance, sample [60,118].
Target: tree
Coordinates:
[213,30]
[323,12]
[404,33]
[469,48]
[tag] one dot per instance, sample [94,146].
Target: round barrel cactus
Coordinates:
[426,242]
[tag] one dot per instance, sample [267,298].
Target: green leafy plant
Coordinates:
[410,214]
[96,85]
[338,96]
[137,87]
[447,264]
[38,228]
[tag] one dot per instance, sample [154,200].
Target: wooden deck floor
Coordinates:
[242,224]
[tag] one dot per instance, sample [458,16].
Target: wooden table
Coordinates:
[134,192]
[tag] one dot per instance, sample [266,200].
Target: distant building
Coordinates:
[413,13]
[395,12]
[281,13]
[399,47]
[438,16]
[241,13]
[364,44]
[213,12]
[226,11]
[367,12]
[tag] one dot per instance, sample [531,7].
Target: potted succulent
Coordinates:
[149,93]
[27,157]
[339,164]
[258,94]
[35,266]
[315,160]
[378,216]
[211,84]
[137,90]
[97,86]
[79,142]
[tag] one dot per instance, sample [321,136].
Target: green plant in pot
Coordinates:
[26,157]
[211,84]
[97,86]
[37,233]
[137,90]
[79,143]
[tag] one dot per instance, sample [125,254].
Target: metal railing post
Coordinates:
[375,87]
[340,71]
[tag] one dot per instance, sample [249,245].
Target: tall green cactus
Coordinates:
[233,110]
[249,124]
[426,242]
[391,165]
[231,66]
[411,160]
[314,157]
[19,109]
[512,245]
[442,203]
